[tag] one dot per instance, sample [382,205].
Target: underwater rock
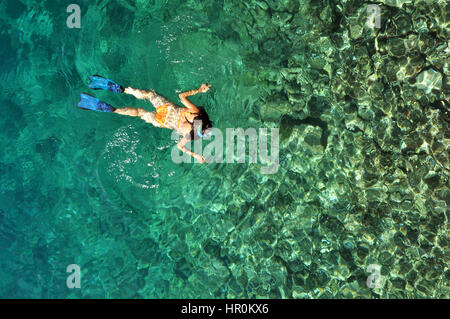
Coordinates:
[439,57]
[410,68]
[274,110]
[396,3]
[313,135]
[306,139]
[281,19]
[432,180]
[429,80]
[396,47]
[317,105]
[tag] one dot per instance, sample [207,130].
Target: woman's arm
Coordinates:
[183,96]
[181,147]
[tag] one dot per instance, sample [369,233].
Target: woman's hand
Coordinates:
[200,158]
[204,88]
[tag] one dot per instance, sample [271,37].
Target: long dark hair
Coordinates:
[206,122]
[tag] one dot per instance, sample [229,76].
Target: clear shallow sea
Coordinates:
[363,177]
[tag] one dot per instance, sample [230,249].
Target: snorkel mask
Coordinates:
[199,131]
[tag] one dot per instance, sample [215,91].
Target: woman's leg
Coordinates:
[152,96]
[145,115]
[139,94]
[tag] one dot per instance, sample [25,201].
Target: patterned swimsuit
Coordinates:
[169,116]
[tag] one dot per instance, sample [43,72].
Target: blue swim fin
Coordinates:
[88,102]
[98,82]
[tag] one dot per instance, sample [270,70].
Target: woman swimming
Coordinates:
[167,115]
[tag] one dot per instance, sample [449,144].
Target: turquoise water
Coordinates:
[363,176]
